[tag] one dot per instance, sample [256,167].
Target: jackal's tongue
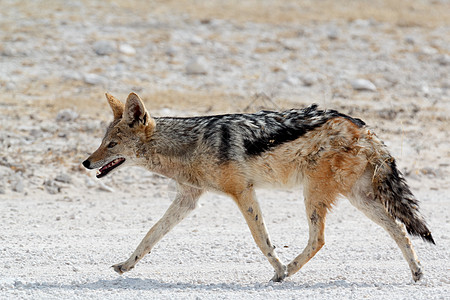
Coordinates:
[109,167]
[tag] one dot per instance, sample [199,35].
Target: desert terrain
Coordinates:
[386,62]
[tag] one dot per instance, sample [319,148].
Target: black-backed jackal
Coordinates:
[329,153]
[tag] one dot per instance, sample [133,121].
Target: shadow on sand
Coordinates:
[126,283]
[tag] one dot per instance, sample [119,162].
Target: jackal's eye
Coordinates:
[112,144]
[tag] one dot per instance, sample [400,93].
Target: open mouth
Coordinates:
[103,171]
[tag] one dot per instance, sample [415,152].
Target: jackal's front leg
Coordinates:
[252,213]
[184,203]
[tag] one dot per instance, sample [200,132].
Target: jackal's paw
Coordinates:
[280,277]
[121,268]
[417,275]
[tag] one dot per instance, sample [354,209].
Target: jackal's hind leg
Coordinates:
[183,204]
[249,207]
[375,211]
[316,212]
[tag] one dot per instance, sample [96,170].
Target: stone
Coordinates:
[10,86]
[104,47]
[6,50]
[64,178]
[444,60]
[17,184]
[196,40]
[72,75]
[427,50]
[66,115]
[196,66]
[52,187]
[172,51]
[362,22]
[363,85]
[36,133]
[291,80]
[127,49]
[333,33]
[410,40]
[94,79]
[309,79]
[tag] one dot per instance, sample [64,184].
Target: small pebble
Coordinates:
[172,51]
[10,86]
[71,75]
[66,115]
[291,80]
[429,50]
[196,66]
[444,60]
[333,34]
[52,187]
[196,40]
[309,79]
[363,85]
[64,178]
[17,185]
[104,47]
[94,79]
[8,51]
[127,49]
[410,40]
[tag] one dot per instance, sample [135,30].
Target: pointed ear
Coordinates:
[135,112]
[116,106]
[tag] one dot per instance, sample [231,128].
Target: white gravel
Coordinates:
[62,246]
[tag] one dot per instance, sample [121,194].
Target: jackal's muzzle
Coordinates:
[103,171]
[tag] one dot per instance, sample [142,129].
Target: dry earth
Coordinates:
[62,228]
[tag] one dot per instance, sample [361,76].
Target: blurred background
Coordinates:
[387,62]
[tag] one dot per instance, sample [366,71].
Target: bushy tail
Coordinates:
[391,189]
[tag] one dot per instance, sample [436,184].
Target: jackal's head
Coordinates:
[132,126]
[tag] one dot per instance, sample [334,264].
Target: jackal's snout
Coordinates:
[87,164]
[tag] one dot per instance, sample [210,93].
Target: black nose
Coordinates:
[86,164]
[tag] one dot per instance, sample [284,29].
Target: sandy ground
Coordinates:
[62,229]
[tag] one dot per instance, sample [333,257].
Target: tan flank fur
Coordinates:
[329,153]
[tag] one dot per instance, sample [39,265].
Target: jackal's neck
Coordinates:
[173,139]
[170,150]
